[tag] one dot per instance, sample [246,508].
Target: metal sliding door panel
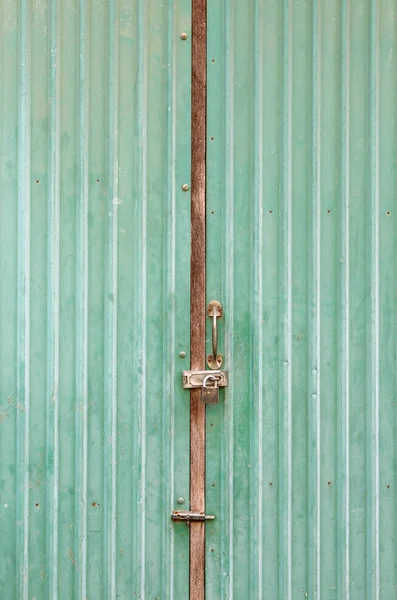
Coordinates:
[94,303]
[301,251]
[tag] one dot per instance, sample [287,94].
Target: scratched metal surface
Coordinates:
[301,459]
[94,303]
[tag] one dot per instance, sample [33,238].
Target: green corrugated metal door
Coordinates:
[94,303]
[301,234]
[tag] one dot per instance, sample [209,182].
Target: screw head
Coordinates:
[183,36]
[182,354]
[185,187]
[181,500]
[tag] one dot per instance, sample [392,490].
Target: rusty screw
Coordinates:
[183,36]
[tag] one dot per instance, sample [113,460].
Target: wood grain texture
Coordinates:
[197,344]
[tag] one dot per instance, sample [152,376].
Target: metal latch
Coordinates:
[208,381]
[187,516]
[195,379]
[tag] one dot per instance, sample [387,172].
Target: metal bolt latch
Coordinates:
[189,515]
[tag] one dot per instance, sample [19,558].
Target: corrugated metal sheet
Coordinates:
[301,461]
[94,304]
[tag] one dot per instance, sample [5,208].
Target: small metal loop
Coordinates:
[211,378]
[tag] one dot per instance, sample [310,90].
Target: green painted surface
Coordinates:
[94,303]
[301,182]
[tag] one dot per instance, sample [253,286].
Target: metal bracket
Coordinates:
[187,516]
[195,379]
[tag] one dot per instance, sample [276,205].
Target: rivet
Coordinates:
[182,354]
[183,36]
[185,187]
[181,500]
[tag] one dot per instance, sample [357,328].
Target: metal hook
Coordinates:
[214,311]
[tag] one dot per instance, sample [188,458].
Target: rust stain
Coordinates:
[198,300]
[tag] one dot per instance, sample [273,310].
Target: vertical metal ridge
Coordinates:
[23,320]
[142,120]
[79,557]
[314,446]
[343,401]
[285,476]
[53,301]
[110,308]
[229,290]
[257,362]
[395,267]
[372,437]
[394,391]
[169,299]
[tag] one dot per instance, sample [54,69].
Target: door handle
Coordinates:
[214,312]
